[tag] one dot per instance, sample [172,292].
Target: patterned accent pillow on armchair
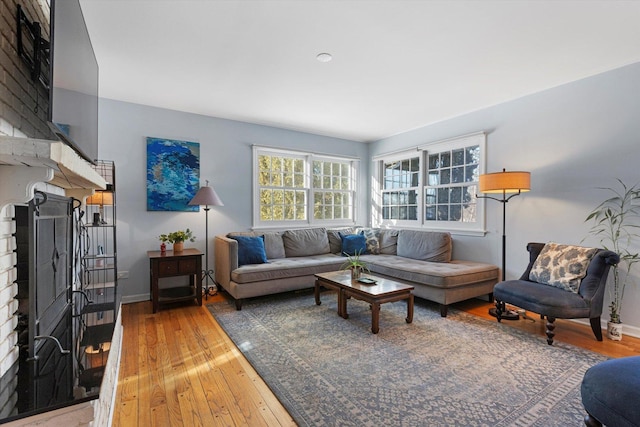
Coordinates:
[562,266]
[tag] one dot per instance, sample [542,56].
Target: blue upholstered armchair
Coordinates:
[610,393]
[567,282]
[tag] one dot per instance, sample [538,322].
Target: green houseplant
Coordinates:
[615,223]
[177,238]
[355,264]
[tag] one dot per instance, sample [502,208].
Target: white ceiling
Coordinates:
[397,65]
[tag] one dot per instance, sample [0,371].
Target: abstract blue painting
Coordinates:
[173,174]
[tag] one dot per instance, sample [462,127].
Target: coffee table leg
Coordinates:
[317,292]
[410,309]
[342,304]
[375,317]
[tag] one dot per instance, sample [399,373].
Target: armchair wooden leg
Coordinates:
[596,328]
[550,329]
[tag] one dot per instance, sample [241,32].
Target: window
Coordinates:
[283,195]
[400,189]
[332,195]
[452,178]
[290,184]
[434,186]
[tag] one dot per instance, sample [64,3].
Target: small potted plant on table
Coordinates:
[355,264]
[177,238]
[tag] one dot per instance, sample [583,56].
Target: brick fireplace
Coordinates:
[31,159]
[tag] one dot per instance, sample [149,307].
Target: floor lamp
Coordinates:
[512,183]
[206,196]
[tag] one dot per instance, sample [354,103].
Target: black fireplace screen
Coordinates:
[44,375]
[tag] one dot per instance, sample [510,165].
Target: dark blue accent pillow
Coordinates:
[251,250]
[353,243]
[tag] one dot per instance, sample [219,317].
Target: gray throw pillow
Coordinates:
[388,241]
[432,246]
[306,242]
[335,242]
[273,245]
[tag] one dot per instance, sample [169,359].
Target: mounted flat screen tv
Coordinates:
[73,94]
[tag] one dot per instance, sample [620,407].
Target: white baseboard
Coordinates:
[128,299]
[632,331]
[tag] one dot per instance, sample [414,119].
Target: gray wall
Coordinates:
[573,139]
[225,160]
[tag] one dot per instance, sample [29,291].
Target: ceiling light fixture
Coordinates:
[324,57]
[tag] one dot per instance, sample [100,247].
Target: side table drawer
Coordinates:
[167,268]
[187,266]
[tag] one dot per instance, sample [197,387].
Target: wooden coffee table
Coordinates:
[384,290]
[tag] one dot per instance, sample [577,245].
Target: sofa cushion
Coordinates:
[335,241]
[353,244]
[251,250]
[439,274]
[287,268]
[388,241]
[305,242]
[541,298]
[424,245]
[562,266]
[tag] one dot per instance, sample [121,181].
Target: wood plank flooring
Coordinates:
[179,368]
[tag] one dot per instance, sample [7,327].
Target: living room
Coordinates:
[574,137]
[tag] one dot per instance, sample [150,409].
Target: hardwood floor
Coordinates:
[179,368]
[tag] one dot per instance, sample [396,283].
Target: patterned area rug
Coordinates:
[455,371]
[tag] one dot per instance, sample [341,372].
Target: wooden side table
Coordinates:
[170,264]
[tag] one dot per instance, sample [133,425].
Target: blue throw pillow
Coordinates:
[353,243]
[251,250]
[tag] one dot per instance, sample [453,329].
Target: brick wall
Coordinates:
[8,306]
[23,113]
[24,103]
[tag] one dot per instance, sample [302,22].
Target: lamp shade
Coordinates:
[100,198]
[206,196]
[505,182]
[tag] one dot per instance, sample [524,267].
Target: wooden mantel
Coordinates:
[24,162]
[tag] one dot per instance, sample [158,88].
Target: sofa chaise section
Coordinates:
[441,282]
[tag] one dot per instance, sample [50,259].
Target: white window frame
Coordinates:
[405,155]
[457,227]
[308,158]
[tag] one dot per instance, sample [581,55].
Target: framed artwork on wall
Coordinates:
[173,174]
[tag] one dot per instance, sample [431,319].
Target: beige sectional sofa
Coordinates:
[419,258]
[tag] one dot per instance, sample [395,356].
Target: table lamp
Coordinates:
[100,198]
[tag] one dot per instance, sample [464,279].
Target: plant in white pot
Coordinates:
[616,223]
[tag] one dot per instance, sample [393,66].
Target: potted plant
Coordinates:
[355,264]
[615,224]
[177,238]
